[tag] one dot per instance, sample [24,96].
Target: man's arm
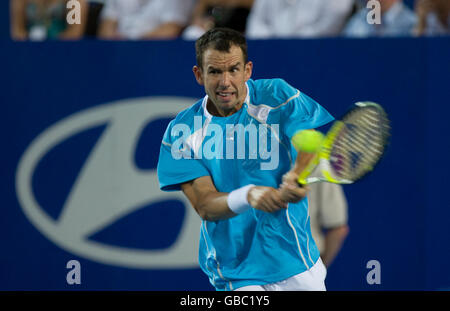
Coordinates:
[206,200]
[289,189]
[18,29]
[334,238]
[212,205]
[108,29]
[332,218]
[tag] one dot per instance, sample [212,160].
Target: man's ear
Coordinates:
[198,74]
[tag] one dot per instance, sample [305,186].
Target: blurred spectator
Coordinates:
[396,20]
[92,24]
[433,17]
[297,18]
[45,19]
[218,13]
[144,19]
[328,216]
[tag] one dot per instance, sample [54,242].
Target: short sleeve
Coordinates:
[175,167]
[333,207]
[302,112]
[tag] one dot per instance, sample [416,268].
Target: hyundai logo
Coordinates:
[109,186]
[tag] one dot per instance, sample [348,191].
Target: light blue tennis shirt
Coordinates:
[252,146]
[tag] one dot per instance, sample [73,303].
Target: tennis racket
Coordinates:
[351,148]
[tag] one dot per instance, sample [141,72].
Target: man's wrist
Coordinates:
[238,199]
[290,177]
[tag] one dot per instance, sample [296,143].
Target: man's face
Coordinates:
[223,74]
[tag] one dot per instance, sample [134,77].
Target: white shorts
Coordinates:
[310,280]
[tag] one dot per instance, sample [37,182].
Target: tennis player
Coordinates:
[251,237]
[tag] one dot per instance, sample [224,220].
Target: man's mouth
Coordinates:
[225,95]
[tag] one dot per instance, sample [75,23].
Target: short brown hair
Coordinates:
[220,39]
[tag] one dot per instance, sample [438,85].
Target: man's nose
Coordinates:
[225,80]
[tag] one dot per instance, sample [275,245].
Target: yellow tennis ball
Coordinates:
[307,140]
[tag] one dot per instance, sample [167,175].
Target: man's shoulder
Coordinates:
[271,92]
[271,84]
[187,115]
[183,119]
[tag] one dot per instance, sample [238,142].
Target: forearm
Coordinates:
[199,10]
[333,242]
[214,207]
[217,205]
[108,30]
[209,203]
[422,9]
[18,29]
[73,32]
[302,161]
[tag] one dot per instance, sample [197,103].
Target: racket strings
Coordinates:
[360,143]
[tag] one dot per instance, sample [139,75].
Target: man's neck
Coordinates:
[213,110]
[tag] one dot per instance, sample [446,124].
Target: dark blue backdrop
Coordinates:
[398,215]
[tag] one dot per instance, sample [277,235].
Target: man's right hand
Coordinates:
[266,199]
[290,190]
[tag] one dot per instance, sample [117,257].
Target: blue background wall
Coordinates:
[398,215]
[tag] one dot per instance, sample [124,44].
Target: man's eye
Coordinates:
[213,72]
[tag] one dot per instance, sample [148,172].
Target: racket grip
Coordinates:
[305,163]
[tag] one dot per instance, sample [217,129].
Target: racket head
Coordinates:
[353,146]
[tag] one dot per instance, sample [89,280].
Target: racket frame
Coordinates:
[323,155]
